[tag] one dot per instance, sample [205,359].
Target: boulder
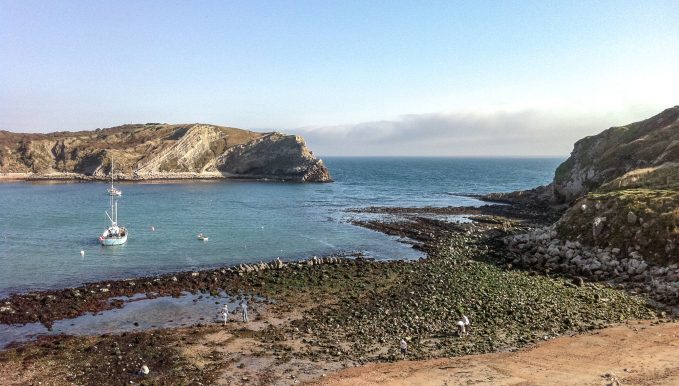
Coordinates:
[597,226]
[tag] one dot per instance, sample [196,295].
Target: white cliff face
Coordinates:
[275,155]
[185,154]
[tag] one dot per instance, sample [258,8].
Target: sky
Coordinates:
[354,78]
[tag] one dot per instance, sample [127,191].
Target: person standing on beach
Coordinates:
[404,349]
[465,320]
[225,312]
[460,329]
[244,307]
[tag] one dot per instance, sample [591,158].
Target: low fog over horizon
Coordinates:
[515,78]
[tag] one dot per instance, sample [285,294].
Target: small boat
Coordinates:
[114,234]
[201,237]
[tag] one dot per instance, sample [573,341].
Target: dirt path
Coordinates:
[636,354]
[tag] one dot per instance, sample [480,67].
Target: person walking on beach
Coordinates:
[244,307]
[404,349]
[225,312]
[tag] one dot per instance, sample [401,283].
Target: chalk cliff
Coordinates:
[155,151]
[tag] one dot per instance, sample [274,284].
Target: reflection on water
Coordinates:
[139,313]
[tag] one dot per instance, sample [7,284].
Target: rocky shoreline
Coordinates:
[156,176]
[542,250]
[48,306]
[336,311]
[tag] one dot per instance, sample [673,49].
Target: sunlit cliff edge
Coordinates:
[618,201]
[160,151]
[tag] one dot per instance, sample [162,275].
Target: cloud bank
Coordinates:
[488,131]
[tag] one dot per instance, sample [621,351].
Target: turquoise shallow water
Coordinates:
[45,226]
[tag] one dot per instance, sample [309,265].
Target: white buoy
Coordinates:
[82,253]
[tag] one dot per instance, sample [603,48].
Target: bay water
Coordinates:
[44,226]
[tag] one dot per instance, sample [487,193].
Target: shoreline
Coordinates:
[67,303]
[339,311]
[169,176]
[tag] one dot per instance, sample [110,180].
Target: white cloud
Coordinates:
[545,129]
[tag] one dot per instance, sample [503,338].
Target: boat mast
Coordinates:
[111,172]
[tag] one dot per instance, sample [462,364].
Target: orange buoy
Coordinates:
[153,229]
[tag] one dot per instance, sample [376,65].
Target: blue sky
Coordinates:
[440,78]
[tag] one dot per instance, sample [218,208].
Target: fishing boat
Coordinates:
[114,234]
[201,237]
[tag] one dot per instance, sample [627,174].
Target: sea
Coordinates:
[49,231]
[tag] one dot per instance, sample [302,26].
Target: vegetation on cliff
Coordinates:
[160,151]
[638,211]
[599,159]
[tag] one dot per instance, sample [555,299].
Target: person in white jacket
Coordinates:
[225,313]
[465,320]
[460,329]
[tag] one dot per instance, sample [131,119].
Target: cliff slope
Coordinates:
[599,159]
[621,190]
[625,153]
[155,151]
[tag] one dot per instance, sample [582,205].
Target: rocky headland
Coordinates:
[617,195]
[625,154]
[154,151]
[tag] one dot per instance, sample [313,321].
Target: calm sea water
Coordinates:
[45,226]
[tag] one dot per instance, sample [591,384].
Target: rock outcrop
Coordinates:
[155,151]
[278,155]
[624,154]
[615,152]
[621,225]
[545,250]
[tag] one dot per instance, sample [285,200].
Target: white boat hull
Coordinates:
[114,236]
[112,240]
